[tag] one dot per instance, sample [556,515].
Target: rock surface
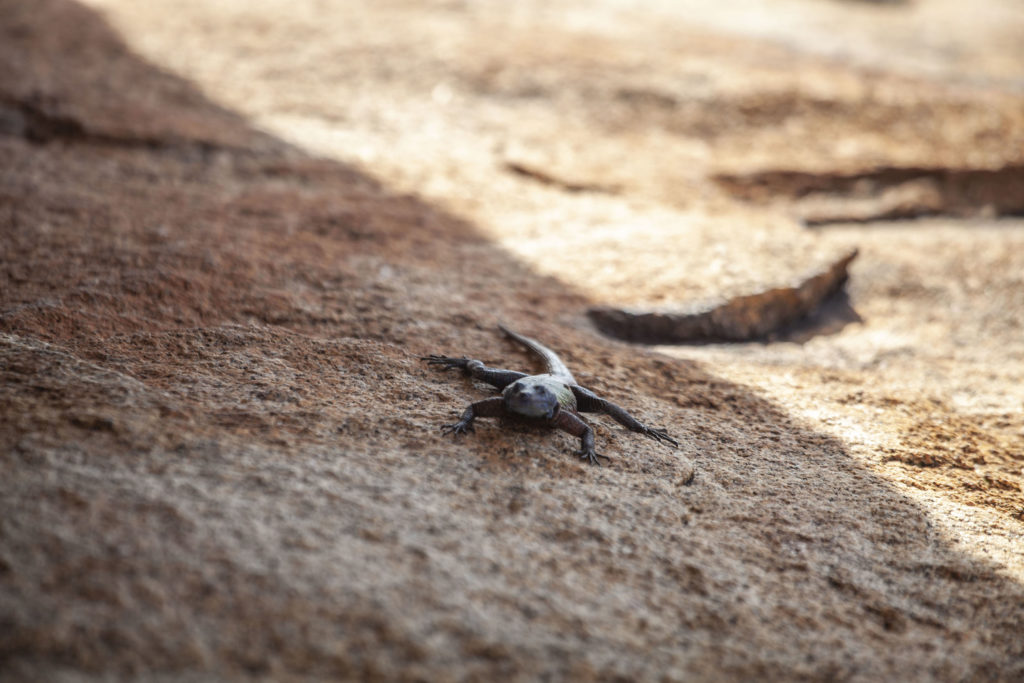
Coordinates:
[230,229]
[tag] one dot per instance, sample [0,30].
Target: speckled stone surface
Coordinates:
[228,231]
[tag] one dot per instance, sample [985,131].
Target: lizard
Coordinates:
[553,397]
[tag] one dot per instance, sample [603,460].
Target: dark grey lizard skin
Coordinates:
[553,397]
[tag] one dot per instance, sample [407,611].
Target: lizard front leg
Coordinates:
[589,402]
[568,422]
[497,378]
[490,407]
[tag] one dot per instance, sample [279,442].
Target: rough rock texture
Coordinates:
[228,230]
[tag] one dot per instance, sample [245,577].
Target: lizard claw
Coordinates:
[660,435]
[447,362]
[591,457]
[460,427]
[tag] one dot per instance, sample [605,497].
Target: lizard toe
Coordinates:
[457,428]
[592,457]
[661,435]
[444,361]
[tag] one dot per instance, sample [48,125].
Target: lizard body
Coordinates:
[553,397]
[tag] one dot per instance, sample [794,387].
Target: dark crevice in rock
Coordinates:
[831,316]
[742,318]
[546,178]
[27,120]
[886,193]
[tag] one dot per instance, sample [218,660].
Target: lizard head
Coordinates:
[531,399]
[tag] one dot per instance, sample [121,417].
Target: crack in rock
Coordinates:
[26,120]
[886,193]
[741,318]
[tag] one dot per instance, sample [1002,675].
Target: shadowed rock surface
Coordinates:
[230,230]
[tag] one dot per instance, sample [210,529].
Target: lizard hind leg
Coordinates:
[589,402]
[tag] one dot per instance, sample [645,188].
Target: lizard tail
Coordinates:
[552,362]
